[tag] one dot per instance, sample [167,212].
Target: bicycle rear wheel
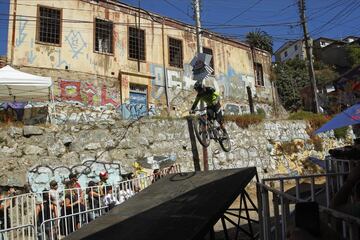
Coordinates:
[224,141]
[201,132]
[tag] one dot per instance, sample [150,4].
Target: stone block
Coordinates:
[32,130]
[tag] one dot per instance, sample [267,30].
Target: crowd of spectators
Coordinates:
[60,212]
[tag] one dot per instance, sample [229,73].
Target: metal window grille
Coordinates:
[136,43]
[259,74]
[175,53]
[103,36]
[49,28]
[210,52]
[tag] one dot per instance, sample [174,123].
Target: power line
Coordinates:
[238,15]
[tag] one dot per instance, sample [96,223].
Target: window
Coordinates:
[49,25]
[103,36]
[175,53]
[296,47]
[136,44]
[210,52]
[285,54]
[259,74]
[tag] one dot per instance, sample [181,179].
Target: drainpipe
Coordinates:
[13,33]
[164,67]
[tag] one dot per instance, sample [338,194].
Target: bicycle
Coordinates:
[208,128]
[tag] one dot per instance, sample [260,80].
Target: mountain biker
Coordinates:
[212,99]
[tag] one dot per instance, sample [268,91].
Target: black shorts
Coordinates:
[215,112]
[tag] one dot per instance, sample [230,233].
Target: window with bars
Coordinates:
[49,25]
[210,52]
[136,44]
[175,53]
[259,74]
[103,36]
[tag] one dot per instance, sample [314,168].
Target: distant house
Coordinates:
[320,43]
[335,95]
[350,39]
[291,50]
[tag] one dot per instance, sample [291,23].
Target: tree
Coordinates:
[353,52]
[292,76]
[260,39]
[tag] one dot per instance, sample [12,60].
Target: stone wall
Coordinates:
[38,154]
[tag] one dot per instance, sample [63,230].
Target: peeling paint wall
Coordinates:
[113,75]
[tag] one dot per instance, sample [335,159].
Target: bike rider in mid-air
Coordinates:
[212,99]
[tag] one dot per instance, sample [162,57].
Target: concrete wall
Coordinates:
[233,61]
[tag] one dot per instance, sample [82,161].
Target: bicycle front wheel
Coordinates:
[201,132]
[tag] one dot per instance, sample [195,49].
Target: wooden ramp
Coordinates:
[177,207]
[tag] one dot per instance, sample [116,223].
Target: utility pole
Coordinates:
[200,50]
[309,55]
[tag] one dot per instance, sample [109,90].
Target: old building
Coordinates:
[291,50]
[106,53]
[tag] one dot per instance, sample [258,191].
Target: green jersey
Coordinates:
[209,96]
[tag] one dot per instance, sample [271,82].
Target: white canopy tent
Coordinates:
[19,86]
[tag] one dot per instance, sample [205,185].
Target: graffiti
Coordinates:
[31,56]
[86,117]
[133,111]
[105,100]
[158,85]
[158,162]
[60,61]
[76,43]
[70,91]
[86,93]
[40,176]
[232,109]
[21,35]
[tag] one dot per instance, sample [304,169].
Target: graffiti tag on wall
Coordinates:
[40,176]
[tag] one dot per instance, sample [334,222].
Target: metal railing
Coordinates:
[276,217]
[55,214]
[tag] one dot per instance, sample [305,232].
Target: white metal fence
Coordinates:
[276,215]
[54,214]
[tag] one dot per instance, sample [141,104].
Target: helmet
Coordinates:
[102,174]
[198,86]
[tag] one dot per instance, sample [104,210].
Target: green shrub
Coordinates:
[315,120]
[340,132]
[261,112]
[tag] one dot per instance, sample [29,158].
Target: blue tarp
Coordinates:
[350,116]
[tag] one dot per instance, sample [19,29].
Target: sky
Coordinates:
[235,18]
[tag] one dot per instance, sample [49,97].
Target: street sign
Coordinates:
[201,66]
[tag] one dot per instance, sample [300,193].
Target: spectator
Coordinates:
[5,204]
[73,177]
[72,206]
[44,212]
[156,175]
[104,176]
[94,200]
[54,194]
[110,200]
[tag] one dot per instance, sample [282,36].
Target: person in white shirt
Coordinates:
[109,199]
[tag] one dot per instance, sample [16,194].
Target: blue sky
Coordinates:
[234,18]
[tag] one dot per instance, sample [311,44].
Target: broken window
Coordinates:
[48,25]
[103,36]
[136,44]
[259,74]
[175,53]
[210,52]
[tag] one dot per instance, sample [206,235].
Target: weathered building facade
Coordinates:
[105,53]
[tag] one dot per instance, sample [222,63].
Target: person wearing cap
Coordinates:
[73,177]
[104,176]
